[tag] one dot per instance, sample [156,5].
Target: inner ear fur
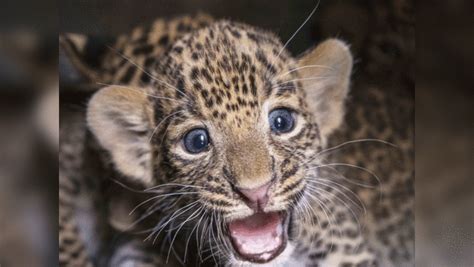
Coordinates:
[325,71]
[121,118]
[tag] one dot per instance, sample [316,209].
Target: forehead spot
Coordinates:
[225,73]
[178,49]
[205,73]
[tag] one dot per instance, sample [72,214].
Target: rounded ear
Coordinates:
[121,118]
[325,72]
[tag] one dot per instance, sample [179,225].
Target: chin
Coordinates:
[260,239]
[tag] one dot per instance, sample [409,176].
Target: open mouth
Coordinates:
[260,237]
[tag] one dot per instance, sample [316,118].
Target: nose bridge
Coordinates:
[250,161]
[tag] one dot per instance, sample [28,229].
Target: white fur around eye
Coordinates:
[299,124]
[299,121]
[180,150]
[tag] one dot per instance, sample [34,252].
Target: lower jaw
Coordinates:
[266,256]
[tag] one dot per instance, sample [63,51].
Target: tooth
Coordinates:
[279,229]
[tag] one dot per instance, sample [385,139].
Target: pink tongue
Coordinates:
[259,234]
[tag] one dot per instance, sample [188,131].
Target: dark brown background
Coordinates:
[444,109]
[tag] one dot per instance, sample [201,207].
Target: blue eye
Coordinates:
[196,141]
[281,120]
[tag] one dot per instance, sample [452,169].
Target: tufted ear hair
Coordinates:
[325,73]
[120,118]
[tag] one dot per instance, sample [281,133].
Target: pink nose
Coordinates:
[256,198]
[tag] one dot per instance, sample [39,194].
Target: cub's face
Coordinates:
[228,129]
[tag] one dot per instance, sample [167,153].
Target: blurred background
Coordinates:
[444,130]
[29,108]
[28,141]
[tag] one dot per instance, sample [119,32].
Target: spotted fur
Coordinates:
[226,77]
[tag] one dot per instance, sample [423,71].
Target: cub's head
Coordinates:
[227,129]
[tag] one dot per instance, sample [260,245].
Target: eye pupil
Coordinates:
[196,141]
[199,141]
[280,123]
[281,120]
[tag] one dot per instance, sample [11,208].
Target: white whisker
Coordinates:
[353,166]
[325,182]
[323,192]
[163,120]
[161,196]
[191,217]
[172,184]
[299,68]
[356,141]
[301,26]
[174,215]
[149,74]
[144,93]
[279,85]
